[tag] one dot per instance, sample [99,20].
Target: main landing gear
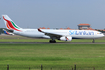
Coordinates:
[52,41]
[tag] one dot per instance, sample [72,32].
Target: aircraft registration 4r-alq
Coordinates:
[53,34]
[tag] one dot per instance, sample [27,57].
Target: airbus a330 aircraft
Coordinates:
[53,34]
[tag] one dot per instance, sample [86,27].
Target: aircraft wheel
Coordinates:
[52,41]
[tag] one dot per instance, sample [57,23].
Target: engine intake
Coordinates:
[65,38]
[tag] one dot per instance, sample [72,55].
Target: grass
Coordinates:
[55,56]
[22,56]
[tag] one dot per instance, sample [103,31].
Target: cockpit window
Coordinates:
[99,33]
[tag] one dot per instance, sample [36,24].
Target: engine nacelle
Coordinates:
[64,38]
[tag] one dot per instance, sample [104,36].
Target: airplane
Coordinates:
[8,33]
[53,34]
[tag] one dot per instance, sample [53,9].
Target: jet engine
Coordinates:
[66,38]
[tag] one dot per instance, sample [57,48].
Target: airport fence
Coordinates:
[41,67]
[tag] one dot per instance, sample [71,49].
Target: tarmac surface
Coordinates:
[52,43]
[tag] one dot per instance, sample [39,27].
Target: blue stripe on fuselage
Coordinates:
[71,32]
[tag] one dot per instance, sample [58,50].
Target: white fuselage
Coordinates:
[75,34]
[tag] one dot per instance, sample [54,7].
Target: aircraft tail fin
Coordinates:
[10,24]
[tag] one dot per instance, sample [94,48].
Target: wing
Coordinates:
[55,35]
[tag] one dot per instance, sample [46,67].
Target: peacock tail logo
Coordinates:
[11,25]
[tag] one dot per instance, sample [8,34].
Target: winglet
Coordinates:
[39,30]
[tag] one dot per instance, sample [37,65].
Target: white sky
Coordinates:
[54,13]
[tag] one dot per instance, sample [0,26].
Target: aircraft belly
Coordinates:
[82,37]
[38,35]
[30,34]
